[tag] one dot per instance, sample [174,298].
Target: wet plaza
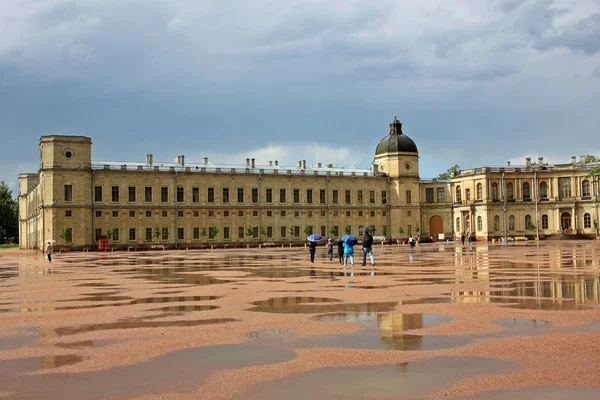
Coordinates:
[481,321]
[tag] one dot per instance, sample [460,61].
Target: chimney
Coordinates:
[319,165]
[299,164]
[508,163]
[573,160]
[374,169]
[149,159]
[252,162]
[582,159]
[179,160]
[270,163]
[528,162]
[303,164]
[276,163]
[204,160]
[247,162]
[540,161]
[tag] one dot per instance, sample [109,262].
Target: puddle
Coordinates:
[387,322]
[185,308]
[138,324]
[178,371]
[83,344]
[313,305]
[393,381]
[541,393]
[31,364]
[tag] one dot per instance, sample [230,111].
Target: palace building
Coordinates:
[75,200]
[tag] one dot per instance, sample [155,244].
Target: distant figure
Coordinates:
[312,247]
[348,253]
[470,238]
[368,248]
[462,239]
[561,231]
[330,249]
[341,251]
[412,242]
[48,251]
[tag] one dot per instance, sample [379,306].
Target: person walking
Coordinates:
[462,239]
[341,251]
[412,242]
[330,249]
[312,247]
[368,248]
[348,253]
[48,251]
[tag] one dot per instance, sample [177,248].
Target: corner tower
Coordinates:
[396,154]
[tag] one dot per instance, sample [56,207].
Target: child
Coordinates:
[330,249]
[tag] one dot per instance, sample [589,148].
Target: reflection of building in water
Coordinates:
[391,324]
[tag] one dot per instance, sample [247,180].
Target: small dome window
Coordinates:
[68,154]
[407,166]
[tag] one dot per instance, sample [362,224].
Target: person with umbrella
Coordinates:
[349,242]
[368,246]
[48,250]
[312,245]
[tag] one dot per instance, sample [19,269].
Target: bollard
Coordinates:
[247,246]
[259,246]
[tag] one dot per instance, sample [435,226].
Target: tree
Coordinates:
[9,215]
[450,172]
[66,234]
[156,233]
[110,233]
[203,233]
[165,233]
[384,230]
[250,231]
[212,233]
[308,230]
[292,232]
[400,230]
[334,230]
[496,228]
[348,229]
[531,226]
[417,228]
[588,158]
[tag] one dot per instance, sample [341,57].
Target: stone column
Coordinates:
[574,220]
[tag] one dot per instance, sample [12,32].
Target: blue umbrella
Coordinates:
[349,240]
[314,237]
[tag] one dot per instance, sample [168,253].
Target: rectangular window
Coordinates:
[255,213]
[309,196]
[116,234]
[347,213]
[323,231]
[269,232]
[408,196]
[409,229]
[296,231]
[226,233]
[348,196]
[240,213]
[115,193]
[372,213]
[467,194]
[225,195]
[164,194]
[131,233]
[131,214]
[296,195]
[148,214]
[98,233]
[360,213]
[429,195]
[240,195]
[283,231]
[269,213]
[322,213]
[296,214]
[255,232]
[68,192]
[180,233]
[254,195]
[211,195]
[409,213]
[165,233]
[225,213]
[212,232]
[195,195]
[322,196]
[148,234]
[98,214]
[131,194]
[334,196]
[98,193]
[164,214]
[310,214]
[269,195]
[180,213]
[283,213]
[360,196]
[441,195]
[282,196]
[196,233]
[68,213]
[211,214]
[383,197]
[384,213]
[180,197]
[115,214]
[564,188]
[148,194]
[372,196]
[241,232]
[196,213]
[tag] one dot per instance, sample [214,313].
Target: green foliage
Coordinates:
[348,229]
[9,215]
[212,232]
[588,158]
[334,230]
[262,230]
[450,172]
[250,231]
[165,233]
[417,228]
[384,230]
[110,233]
[531,226]
[496,228]
[291,231]
[308,230]
[400,230]
[66,234]
[203,232]
[157,233]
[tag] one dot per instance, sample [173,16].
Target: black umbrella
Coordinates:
[367,229]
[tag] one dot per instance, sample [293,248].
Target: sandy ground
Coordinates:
[233,324]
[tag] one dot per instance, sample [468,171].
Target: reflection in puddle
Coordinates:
[312,305]
[541,393]
[83,344]
[394,381]
[59,361]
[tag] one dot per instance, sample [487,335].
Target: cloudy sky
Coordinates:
[474,82]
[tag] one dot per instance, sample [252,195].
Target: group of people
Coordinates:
[346,250]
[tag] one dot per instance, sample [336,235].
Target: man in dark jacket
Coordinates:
[368,248]
[312,247]
[341,251]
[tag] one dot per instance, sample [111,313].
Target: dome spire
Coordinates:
[396,126]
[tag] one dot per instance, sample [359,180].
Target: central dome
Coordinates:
[396,141]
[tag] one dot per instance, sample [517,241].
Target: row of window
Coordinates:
[115,195]
[212,232]
[529,225]
[564,190]
[226,213]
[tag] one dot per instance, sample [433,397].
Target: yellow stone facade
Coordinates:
[188,205]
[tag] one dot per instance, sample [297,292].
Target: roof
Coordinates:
[396,141]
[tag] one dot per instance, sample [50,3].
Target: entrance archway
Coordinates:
[436,226]
[565,220]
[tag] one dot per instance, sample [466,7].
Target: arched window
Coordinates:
[458,194]
[526,190]
[494,191]
[543,190]
[511,223]
[479,223]
[544,221]
[528,223]
[585,188]
[509,191]
[587,220]
[496,222]
[479,191]
[457,224]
